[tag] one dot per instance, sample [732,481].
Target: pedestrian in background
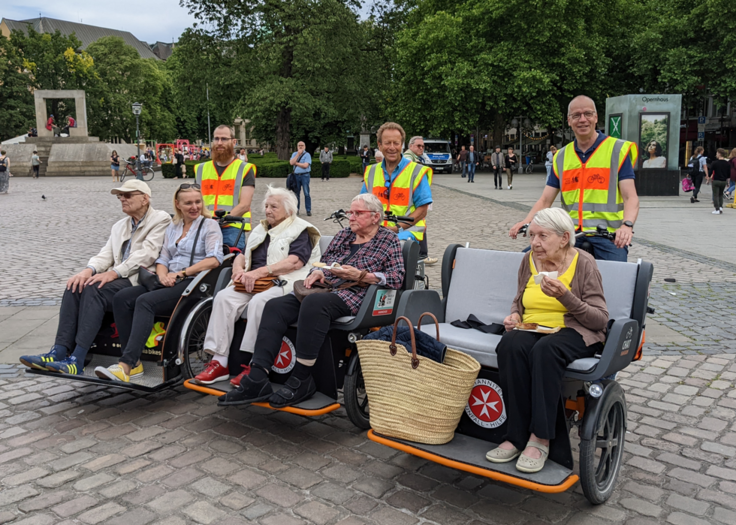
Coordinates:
[732,162]
[179,163]
[462,159]
[549,158]
[243,155]
[473,161]
[720,173]
[115,166]
[35,164]
[325,157]
[512,161]
[302,162]
[498,163]
[365,157]
[699,170]
[4,173]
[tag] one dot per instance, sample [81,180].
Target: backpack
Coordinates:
[687,185]
[696,166]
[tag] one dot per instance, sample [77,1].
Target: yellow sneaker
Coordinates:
[116,372]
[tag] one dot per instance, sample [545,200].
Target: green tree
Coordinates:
[16,100]
[303,73]
[123,77]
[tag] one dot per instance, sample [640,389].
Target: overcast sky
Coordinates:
[148,20]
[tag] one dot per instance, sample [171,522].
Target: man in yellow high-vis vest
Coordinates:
[595,176]
[402,185]
[228,183]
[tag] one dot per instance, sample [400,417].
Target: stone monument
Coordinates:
[42,95]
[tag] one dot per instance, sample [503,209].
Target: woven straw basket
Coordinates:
[412,397]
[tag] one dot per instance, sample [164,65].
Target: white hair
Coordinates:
[581,96]
[378,154]
[556,220]
[414,139]
[287,198]
[370,201]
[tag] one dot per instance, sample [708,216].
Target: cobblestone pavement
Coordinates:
[77,453]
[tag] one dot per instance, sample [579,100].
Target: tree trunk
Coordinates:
[499,126]
[283,133]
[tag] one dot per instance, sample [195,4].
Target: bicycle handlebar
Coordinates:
[600,231]
[232,218]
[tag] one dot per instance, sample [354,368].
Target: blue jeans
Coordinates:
[302,181]
[731,187]
[465,167]
[605,250]
[471,171]
[550,170]
[230,235]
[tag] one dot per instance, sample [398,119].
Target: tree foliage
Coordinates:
[16,101]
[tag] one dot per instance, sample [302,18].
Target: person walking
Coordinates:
[4,173]
[595,175]
[732,162]
[473,161]
[498,163]
[35,164]
[719,175]
[415,153]
[462,160]
[227,184]
[699,171]
[512,162]
[325,157]
[548,160]
[302,162]
[115,166]
[365,157]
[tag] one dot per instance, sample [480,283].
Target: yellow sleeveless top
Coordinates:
[541,308]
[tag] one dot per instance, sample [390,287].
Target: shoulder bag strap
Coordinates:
[196,238]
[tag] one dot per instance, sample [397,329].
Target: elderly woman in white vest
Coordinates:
[283,246]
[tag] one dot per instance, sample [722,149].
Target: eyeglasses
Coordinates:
[419,145]
[357,213]
[587,114]
[128,196]
[221,139]
[186,186]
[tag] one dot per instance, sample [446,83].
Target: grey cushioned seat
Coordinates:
[345,319]
[480,345]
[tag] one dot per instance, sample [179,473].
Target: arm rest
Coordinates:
[414,303]
[223,279]
[621,345]
[365,318]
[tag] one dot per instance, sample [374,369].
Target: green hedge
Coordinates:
[275,169]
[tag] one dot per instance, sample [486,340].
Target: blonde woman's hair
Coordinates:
[556,220]
[732,154]
[178,216]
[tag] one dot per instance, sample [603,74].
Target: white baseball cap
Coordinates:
[132,185]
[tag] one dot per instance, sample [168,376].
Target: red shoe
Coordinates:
[212,374]
[235,381]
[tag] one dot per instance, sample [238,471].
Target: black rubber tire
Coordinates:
[601,456]
[195,358]
[148,174]
[355,397]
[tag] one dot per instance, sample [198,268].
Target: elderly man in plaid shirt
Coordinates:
[365,246]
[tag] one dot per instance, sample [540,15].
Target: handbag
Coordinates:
[301,291]
[413,397]
[261,285]
[150,281]
[687,185]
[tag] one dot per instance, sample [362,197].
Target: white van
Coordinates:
[439,154]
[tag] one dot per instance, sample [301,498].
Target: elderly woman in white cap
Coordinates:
[135,241]
[283,247]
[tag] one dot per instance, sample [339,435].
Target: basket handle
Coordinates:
[436,323]
[392,346]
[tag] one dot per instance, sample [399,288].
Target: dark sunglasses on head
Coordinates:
[186,186]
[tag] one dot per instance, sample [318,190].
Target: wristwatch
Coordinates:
[629,224]
[184,272]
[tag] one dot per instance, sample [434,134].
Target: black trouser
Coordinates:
[135,310]
[697,181]
[325,170]
[719,186]
[423,247]
[313,317]
[80,317]
[531,367]
[498,176]
[35,171]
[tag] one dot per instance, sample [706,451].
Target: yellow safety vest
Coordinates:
[223,192]
[398,198]
[589,191]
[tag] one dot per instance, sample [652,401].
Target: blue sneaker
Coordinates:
[67,366]
[39,362]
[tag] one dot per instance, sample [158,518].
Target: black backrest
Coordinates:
[410,252]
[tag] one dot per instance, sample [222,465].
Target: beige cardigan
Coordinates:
[144,246]
[585,303]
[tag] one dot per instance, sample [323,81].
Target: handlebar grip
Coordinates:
[232,218]
[402,218]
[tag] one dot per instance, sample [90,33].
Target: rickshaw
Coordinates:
[483,283]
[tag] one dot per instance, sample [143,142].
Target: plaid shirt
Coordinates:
[381,254]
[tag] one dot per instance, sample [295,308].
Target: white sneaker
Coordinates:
[717,212]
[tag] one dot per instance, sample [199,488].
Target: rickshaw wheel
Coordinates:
[195,357]
[356,398]
[600,457]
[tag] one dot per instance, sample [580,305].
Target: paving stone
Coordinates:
[317,512]
[74,506]
[44,501]
[139,516]
[203,512]
[279,495]
[236,500]
[101,513]
[690,505]
[678,518]
[58,479]
[9,496]
[641,506]
[25,477]
[171,501]
[83,485]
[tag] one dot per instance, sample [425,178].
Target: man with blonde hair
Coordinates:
[402,185]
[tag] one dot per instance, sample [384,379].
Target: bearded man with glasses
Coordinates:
[595,176]
[228,183]
[135,241]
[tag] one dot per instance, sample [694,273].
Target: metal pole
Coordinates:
[209,133]
[138,149]
[521,151]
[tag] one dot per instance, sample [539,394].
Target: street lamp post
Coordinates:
[137,112]
[516,122]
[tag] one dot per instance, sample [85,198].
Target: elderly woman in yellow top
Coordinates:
[279,247]
[559,288]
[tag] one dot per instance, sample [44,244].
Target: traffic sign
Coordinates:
[701,120]
[701,135]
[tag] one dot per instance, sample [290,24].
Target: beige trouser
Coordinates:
[227,308]
[509,176]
